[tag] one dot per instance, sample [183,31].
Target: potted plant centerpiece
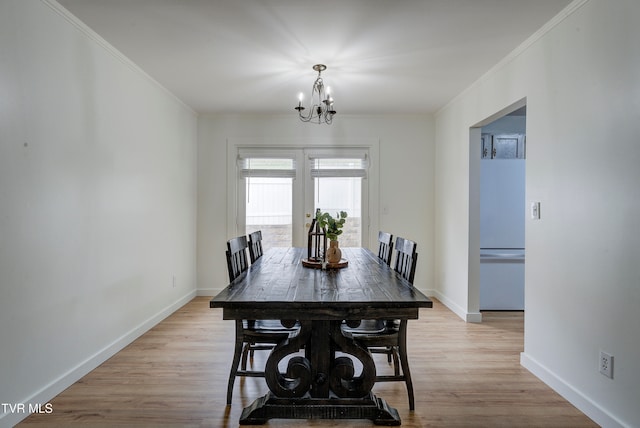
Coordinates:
[333,227]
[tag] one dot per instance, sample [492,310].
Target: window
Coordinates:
[280,189]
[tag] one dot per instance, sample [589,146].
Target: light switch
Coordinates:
[535,210]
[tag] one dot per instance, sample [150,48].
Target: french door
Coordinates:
[279,191]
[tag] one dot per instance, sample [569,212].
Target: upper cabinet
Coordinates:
[503,146]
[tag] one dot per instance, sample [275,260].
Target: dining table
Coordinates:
[321,383]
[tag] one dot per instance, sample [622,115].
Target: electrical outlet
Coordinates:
[606,364]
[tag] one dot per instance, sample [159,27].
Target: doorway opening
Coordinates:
[497,211]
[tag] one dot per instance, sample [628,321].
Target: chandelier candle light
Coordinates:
[321,101]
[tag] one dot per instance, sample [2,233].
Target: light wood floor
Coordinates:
[465,375]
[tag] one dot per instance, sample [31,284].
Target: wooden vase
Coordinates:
[334,254]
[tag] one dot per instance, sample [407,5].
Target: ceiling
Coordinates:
[255,56]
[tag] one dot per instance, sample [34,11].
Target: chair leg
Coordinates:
[236,361]
[404,360]
[245,352]
[393,352]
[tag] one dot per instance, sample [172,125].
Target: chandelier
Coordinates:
[321,104]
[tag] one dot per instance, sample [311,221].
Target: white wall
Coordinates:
[580,80]
[97,202]
[405,143]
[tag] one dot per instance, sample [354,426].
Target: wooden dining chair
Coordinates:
[255,245]
[390,336]
[406,258]
[251,335]
[237,257]
[385,251]
[385,247]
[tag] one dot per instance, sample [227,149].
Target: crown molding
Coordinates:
[551,24]
[110,49]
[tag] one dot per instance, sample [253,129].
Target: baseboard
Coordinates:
[587,406]
[67,379]
[458,310]
[208,292]
[428,292]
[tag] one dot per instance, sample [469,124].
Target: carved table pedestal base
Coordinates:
[371,407]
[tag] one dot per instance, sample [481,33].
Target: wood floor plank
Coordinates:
[175,375]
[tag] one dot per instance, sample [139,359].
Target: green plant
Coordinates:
[333,226]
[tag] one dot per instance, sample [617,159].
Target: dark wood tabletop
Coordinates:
[366,289]
[278,286]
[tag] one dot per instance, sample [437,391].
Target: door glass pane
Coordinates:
[335,194]
[269,209]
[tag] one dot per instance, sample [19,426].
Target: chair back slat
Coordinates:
[406,258]
[237,257]
[255,245]
[385,247]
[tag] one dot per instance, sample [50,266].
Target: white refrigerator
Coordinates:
[502,223]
